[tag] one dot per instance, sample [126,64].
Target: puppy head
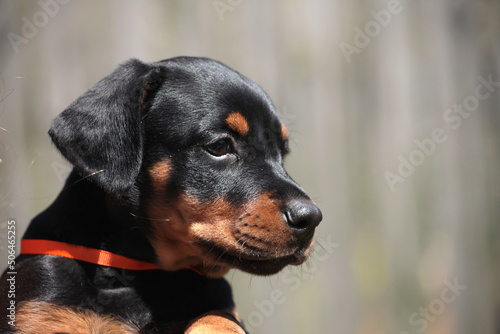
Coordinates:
[204,148]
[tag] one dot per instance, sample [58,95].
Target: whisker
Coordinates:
[249,283]
[232,276]
[206,255]
[83,178]
[317,244]
[154,219]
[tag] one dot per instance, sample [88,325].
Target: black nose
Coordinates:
[303,217]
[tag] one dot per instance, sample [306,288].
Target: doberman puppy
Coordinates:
[178,177]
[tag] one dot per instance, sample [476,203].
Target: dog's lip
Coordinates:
[255,263]
[269,266]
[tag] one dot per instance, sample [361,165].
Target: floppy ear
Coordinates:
[101,133]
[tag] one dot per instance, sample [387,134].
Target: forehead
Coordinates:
[205,95]
[244,108]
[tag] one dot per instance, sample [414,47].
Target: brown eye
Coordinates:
[220,147]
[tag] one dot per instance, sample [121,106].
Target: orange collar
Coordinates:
[91,255]
[81,253]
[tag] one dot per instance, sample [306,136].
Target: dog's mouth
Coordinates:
[250,260]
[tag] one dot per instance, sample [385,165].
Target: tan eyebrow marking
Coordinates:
[238,123]
[160,174]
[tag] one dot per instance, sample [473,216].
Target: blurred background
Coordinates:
[393,111]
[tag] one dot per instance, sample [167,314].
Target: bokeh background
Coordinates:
[393,109]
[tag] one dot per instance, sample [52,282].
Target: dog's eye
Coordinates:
[220,147]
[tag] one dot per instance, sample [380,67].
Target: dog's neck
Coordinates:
[85,215]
